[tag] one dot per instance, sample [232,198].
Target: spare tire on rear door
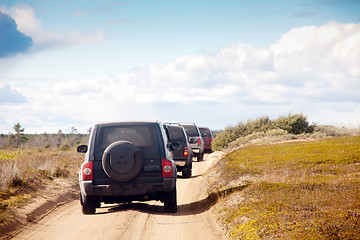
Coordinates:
[122,161]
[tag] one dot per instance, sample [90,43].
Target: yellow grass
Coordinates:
[298,190]
[23,171]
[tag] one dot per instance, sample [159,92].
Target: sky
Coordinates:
[71,64]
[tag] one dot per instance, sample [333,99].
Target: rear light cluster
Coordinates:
[167,169]
[87,171]
[199,142]
[186,152]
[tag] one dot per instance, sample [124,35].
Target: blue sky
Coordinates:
[70,64]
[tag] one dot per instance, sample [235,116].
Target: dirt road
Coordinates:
[139,220]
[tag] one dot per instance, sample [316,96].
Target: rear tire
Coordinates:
[87,210]
[170,203]
[88,204]
[200,157]
[186,173]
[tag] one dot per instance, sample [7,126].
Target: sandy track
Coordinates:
[139,220]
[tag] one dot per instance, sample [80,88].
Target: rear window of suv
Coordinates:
[191,130]
[140,136]
[176,133]
[205,132]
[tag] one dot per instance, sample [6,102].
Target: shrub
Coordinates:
[291,124]
[18,182]
[295,124]
[65,147]
[61,172]
[225,137]
[262,124]
[276,132]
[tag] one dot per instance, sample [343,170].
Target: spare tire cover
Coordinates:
[122,161]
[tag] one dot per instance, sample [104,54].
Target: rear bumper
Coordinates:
[197,151]
[127,190]
[207,148]
[180,163]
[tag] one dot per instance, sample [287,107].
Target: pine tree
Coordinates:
[19,137]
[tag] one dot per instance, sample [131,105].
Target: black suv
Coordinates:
[183,156]
[128,161]
[195,140]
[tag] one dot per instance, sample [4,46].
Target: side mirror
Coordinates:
[82,149]
[174,146]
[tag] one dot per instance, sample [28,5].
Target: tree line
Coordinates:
[64,141]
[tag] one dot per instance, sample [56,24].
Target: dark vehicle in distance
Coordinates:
[128,161]
[183,156]
[195,140]
[206,134]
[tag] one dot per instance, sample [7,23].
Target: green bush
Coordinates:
[294,124]
[291,124]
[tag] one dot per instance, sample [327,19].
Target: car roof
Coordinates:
[126,122]
[188,124]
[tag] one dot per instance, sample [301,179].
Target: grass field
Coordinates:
[296,190]
[24,171]
[291,190]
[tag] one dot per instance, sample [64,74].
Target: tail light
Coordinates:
[87,171]
[211,140]
[167,169]
[199,142]
[186,152]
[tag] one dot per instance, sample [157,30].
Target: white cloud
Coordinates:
[314,70]
[311,69]
[10,95]
[27,23]
[72,87]
[333,47]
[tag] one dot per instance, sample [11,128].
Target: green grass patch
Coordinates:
[299,190]
[9,155]
[331,156]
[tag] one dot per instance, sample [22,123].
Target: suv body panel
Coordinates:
[177,133]
[195,139]
[149,184]
[206,134]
